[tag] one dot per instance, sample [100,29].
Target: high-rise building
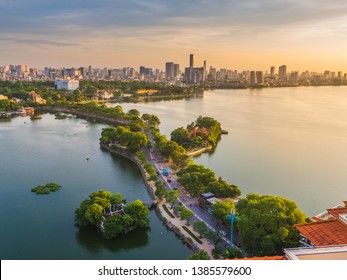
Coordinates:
[142,69]
[205,70]
[282,72]
[191,60]
[252,78]
[191,67]
[293,79]
[169,70]
[260,77]
[272,71]
[176,70]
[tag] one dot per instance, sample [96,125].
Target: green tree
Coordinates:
[118,224]
[195,178]
[214,236]
[266,224]
[172,196]
[200,255]
[181,136]
[222,208]
[134,112]
[221,188]
[200,227]
[185,214]
[138,212]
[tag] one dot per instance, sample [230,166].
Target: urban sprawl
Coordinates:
[201,76]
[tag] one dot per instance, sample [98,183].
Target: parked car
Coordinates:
[222,232]
[238,244]
[169,180]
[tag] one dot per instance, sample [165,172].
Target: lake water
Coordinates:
[290,142]
[42,227]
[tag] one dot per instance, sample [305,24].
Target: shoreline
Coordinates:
[174,224]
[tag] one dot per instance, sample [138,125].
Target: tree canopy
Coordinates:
[133,141]
[222,208]
[266,224]
[200,255]
[197,179]
[96,209]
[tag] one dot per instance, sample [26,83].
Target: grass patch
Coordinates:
[192,234]
[168,212]
[46,189]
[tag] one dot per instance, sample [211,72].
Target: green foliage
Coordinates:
[201,255]
[233,253]
[160,189]
[46,189]
[217,252]
[142,157]
[118,224]
[95,209]
[222,208]
[214,237]
[221,188]
[197,179]
[192,234]
[204,129]
[266,224]
[171,197]
[200,227]
[168,212]
[185,213]
[181,136]
[91,210]
[133,141]
[8,105]
[139,213]
[134,113]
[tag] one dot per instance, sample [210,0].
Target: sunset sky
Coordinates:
[244,34]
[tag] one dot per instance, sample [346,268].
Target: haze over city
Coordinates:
[250,34]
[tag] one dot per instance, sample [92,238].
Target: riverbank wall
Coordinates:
[86,115]
[199,151]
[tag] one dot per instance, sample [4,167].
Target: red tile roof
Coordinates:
[332,232]
[336,211]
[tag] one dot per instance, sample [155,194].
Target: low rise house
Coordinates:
[327,228]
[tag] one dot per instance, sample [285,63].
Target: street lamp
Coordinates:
[231,217]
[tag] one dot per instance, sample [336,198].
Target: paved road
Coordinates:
[185,199]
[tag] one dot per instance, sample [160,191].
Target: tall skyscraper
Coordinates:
[282,72]
[169,70]
[176,68]
[252,78]
[205,71]
[260,77]
[191,61]
[191,67]
[272,71]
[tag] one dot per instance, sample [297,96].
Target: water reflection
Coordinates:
[92,240]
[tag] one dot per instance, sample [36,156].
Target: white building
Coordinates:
[69,84]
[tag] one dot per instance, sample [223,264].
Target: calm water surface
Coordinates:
[42,227]
[290,142]
[287,141]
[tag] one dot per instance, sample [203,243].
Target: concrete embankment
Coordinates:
[88,115]
[199,151]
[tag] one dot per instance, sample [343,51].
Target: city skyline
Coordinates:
[247,35]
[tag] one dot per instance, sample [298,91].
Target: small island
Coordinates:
[199,136]
[111,214]
[46,189]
